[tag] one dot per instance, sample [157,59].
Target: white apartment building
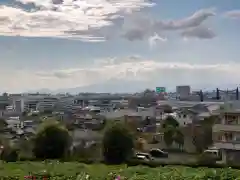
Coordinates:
[47,103]
[26,102]
[226,132]
[66,104]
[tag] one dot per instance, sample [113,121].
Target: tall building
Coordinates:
[183,92]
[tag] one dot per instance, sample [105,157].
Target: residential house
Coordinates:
[196,113]
[226,133]
[88,118]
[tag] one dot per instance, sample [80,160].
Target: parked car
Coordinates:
[158,153]
[214,153]
[143,156]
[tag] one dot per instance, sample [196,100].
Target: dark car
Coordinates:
[158,153]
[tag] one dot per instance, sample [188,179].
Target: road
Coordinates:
[178,158]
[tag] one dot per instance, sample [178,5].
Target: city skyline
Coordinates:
[61,44]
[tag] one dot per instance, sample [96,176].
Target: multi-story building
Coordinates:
[47,103]
[183,92]
[68,104]
[32,102]
[4,103]
[226,133]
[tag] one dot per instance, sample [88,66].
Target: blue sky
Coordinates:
[58,44]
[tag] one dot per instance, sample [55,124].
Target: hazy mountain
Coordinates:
[128,86]
[111,86]
[41,91]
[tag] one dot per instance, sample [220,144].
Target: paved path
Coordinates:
[178,158]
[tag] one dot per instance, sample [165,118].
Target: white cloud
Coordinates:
[234,14]
[80,19]
[199,33]
[144,28]
[133,68]
[91,20]
[154,39]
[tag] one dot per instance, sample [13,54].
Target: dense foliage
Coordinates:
[118,144]
[51,142]
[61,171]
[172,133]
[202,135]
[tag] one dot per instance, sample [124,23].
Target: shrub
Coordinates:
[51,142]
[118,144]
[9,154]
[140,144]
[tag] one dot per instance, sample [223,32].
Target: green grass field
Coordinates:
[71,170]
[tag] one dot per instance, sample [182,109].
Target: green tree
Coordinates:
[118,144]
[168,135]
[51,142]
[172,133]
[170,121]
[202,136]
[3,124]
[9,154]
[179,138]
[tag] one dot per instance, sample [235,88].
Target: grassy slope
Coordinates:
[100,171]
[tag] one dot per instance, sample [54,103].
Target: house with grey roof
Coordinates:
[196,113]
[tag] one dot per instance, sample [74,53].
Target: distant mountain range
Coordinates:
[127,86]
[111,86]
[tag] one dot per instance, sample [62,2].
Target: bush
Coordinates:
[140,144]
[9,155]
[85,154]
[118,144]
[51,142]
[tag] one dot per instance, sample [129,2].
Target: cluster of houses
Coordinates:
[87,115]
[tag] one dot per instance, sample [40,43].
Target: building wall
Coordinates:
[184,119]
[226,133]
[183,91]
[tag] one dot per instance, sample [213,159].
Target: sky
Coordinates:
[139,44]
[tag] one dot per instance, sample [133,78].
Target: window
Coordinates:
[231,119]
[237,136]
[184,116]
[219,137]
[228,136]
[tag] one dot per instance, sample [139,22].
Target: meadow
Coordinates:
[74,170]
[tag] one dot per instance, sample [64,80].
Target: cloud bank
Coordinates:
[149,72]
[91,20]
[190,27]
[234,14]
